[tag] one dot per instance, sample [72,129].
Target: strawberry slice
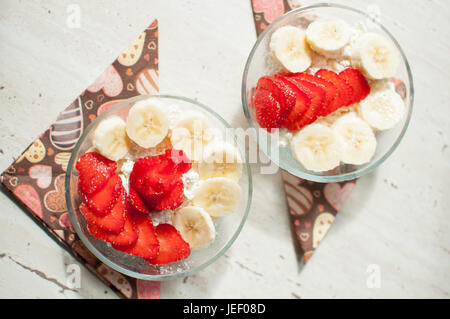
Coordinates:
[358,82]
[146,245]
[345,91]
[104,199]
[267,109]
[318,97]
[302,100]
[331,92]
[94,171]
[126,237]
[137,202]
[172,199]
[177,162]
[113,221]
[282,93]
[172,246]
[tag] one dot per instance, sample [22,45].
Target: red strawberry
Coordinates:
[358,82]
[104,199]
[345,91]
[318,97]
[137,202]
[113,221]
[172,246]
[282,93]
[147,245]
[172,199]
[267,109]
[177,162]
[302,100]
[126,237]
[331,92]
[94,171]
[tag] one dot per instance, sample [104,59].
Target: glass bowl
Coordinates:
[227,227]
[259,64]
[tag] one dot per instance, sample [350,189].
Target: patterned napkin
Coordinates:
[312,206]
[36,178]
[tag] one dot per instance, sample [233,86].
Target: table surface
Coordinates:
[397,218]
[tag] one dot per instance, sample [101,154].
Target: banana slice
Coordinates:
[221,159]
[357,139]
[147,124]
[317,147]
[376,56]
[382,109]
[219,196]
[192,134]
[289,46]
[328,36]
[195,225]
[110,138]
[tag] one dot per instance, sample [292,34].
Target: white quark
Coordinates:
[124,182]
[125,171]
[191,183]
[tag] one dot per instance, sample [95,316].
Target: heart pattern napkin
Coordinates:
[36,178]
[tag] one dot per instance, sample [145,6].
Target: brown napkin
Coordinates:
[36,178]
[312,206]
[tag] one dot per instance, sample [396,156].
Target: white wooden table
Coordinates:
[396,218]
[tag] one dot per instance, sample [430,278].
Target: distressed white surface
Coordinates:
[397,217]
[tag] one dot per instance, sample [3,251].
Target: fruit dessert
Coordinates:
[329,90]
[155,184]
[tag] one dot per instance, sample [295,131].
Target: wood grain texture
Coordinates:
[396,217]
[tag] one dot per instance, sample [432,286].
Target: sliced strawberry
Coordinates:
[147,245]
[94,171]
[126,237]
[331,92]
[282,93]
[302,100]
[137,202]
[104,199]
[176,162]
[172,199]
[345,91]
[318,97]
[267,109]
[113,221]
[172,246]
[358,82]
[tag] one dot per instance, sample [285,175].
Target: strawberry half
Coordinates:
[345,91]
[267,109]
[113,221]
[104,199]
[331,92]
[146,245]
[126,237]
[172,199]
[317,95]
[358,82]
[94,171]
[282,93]
[302,100]
[172,246]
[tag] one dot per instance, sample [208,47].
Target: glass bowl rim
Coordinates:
[304,174]
[111,263]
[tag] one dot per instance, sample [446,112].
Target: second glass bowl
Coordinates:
[259,64]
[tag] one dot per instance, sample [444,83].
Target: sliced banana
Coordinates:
[357,139]
[317,147]
[382,109]
[147,124]
[220,159]
[110,138]
[192,134]
[376,56]
[195,225]
[328,36]
[289,46]
[219,196]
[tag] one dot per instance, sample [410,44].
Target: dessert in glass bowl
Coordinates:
[152,183]
[321,81]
